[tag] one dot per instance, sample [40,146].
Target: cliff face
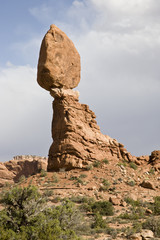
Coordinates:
[77,140]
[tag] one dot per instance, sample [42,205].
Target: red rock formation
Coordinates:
[59,61]
[23,165]
[154,159]
[5,175]
[77,140]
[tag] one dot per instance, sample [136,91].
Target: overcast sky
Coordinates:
[119,44]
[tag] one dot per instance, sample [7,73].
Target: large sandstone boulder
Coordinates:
[77,140]
[59,61]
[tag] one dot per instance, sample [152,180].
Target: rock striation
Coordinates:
[59,61]
[77,139]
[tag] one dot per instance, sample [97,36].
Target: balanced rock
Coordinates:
[59,61]
[77,139]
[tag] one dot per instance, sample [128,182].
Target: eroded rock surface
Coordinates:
[77,140]
[59,61]
[154,159]
[26,165]
[5,175]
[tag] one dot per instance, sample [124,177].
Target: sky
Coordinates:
[119,45]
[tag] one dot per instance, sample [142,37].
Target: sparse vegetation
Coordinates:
[55,178]
[21,179]
[133,165]
[43,173]
[152,171]
[89,167]
[105,208]
[131,183]
[153,224]
[97,164]
[105,161]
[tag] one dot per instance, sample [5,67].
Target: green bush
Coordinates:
[43,173]
[133,165]
[153,224]
[136,213]
[26,217]
[156,206]
[21,179]
[105,161]
[105,208]
[131,183]
[55,178]
[97,164]
[98,221]
[134,203]
[89,167]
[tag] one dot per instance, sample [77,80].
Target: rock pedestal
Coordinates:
[77,140]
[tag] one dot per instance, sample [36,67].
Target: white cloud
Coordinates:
[24,108]
[120,55]
[119,44]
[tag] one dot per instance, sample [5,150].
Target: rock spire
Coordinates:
[77,140]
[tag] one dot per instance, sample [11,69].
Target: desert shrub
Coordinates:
[105,208]
[97,164]
[83,176]
[21,179]
[48,193]
[43,173]
[136,213]
[105,161]
[77,180]
[130,216]
[151,171]
[123,162]
[105,185]
[136,228]
[134,203]
[153,224]
[99,222]
[131,183]
[133,165]
[89,167]
[156,206]
[55,178]
[26,217]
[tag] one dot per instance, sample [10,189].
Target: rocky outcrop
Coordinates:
[77,140]
[154,159]
[6,176]
[25,165]
[59,61]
